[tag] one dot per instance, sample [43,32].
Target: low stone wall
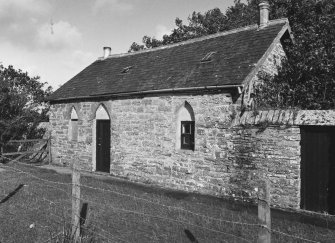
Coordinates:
[286,117]
[268,143]
[231,157]
[272,153]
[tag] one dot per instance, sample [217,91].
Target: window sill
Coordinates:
[185,151]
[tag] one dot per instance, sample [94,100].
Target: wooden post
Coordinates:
[264,216]
[49,148]
[75,203]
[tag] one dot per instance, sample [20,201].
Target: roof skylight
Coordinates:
[126,69]
[208,57]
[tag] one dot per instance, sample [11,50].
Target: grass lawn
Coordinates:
[33,210]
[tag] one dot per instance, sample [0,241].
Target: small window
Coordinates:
[126,69]
[187,135]
[73,129]
[208,57]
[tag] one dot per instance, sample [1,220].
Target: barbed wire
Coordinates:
[293,236]
[92,173]
[130,211]
[158,217]
[94,225]
[167,206]
[15,233]
[70,195]
[97,174]
[31,223]
[34,222]
[38,178]
[152,202]
[53,202]
[61,223]
[24,186]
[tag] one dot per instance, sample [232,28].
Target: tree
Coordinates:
[211,22]
[306,78]
[22,105]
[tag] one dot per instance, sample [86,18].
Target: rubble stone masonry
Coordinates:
[233,151]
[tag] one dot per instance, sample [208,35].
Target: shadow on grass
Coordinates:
[11,194]
[83,215]
[190,236]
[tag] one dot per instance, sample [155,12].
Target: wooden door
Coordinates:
[318,169]
[103,146]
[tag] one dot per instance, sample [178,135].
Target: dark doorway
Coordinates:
[318,169]
[103,146]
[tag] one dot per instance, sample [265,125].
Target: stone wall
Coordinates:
[233,152]
[273,153]
[65,151]
[269,64]
[268,143]
[231,157]
[143,139]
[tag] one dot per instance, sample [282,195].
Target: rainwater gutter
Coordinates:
[158,91]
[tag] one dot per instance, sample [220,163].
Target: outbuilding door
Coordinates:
[318,169]
[103,146]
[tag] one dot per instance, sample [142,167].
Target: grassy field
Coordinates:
[34,210]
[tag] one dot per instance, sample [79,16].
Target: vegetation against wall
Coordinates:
[306,78]
[22,105]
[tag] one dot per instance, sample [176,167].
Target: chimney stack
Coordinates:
[264,8]
[107,51]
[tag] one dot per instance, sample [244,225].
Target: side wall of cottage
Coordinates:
[231,156]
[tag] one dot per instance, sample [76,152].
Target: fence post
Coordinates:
[49,148]
[264,214]
[75,203]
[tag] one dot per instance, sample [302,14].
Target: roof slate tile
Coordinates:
[178,66]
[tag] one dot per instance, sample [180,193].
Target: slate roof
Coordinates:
[233,55]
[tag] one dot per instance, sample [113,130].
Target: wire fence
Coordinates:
[114,214]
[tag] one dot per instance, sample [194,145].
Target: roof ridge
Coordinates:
[198,39]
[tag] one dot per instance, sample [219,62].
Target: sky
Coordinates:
[56,39]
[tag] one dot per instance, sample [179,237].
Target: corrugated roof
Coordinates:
[235,54]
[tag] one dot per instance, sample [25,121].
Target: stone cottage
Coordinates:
[170,116]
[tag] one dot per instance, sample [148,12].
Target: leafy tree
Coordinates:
[211,22]
[22,105]
[306,78]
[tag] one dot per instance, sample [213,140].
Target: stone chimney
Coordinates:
[264,8]
[107,51]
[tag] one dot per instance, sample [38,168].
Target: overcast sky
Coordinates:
[56,39]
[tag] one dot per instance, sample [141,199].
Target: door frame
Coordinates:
[101,160]
[101,113]
[303,177]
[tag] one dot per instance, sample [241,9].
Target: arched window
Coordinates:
[73,126]
[185,127]
[101,113]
